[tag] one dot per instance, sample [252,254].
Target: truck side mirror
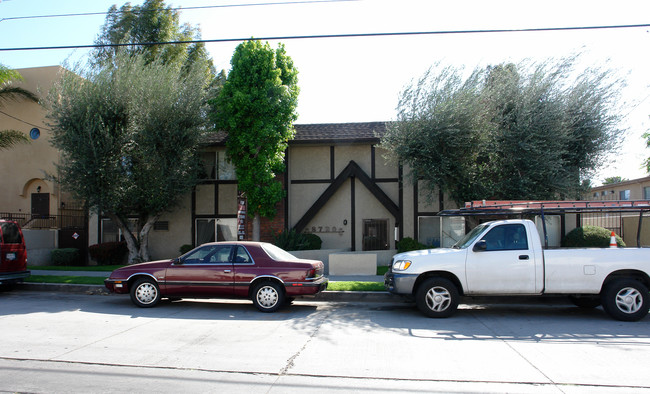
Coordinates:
[480,246]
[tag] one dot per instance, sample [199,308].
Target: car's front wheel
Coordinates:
[268,296]
[626,300]
[145,293]
[437,297]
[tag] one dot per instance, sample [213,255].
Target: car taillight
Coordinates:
[311,273]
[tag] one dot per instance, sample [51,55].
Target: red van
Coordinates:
[13,254]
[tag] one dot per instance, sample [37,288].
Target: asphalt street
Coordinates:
[66,342]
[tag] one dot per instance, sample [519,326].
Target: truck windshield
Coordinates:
[469,237]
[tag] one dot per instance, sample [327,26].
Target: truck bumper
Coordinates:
[13,277]
[399,283]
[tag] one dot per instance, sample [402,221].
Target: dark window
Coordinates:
[375,234]
[507,237]
[10,233]
[161,226]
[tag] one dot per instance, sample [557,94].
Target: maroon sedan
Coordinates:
[260,271]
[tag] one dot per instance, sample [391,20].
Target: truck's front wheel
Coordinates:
[437,297]
[626,300]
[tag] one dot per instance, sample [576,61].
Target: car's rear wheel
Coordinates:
[268,296]
[626,300]
[145,293]
[437,297]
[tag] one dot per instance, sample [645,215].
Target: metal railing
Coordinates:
[29,221]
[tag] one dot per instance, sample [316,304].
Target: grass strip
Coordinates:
[73,267]
[355,286]
[76,280]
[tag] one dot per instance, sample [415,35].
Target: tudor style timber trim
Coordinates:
[353,171]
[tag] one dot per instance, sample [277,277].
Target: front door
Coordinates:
[205,272]
[40,205]
[505,266]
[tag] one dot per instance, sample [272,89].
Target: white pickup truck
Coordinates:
[506,258]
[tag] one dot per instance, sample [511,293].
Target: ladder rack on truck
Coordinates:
[496,207]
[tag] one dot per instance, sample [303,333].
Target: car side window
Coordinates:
[242,256]
[220,255]
[209,254]
[506,237]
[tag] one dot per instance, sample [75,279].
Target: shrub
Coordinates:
[292,240]
[409,243]
[185,248]
[108,253]
[590,237]
[66,256]
[313,241]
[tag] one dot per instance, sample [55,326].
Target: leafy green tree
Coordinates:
[8,92]
[614,179]
[128,134]
[151,22]
[257,107]
[506,131]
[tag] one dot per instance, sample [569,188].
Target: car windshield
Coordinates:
[469,237]
[276,253]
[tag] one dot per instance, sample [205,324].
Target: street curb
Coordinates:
[63,287]
[325,296]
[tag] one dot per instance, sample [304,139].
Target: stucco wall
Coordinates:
[166,243]
[335,214]
[23,166]
[309,162]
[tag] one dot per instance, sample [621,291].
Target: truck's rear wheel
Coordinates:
[437,297]
[626,300]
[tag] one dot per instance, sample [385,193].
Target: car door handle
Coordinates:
[523,257]
[226,271]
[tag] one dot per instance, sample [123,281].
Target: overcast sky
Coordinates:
[359,79]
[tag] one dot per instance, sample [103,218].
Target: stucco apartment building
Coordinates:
[635,189]
[339,185]
[625,225]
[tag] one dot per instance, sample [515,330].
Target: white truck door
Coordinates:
[502,262]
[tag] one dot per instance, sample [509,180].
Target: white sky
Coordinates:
[359,79]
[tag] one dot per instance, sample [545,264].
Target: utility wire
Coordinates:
[20,120]
[349,35]
[175,9]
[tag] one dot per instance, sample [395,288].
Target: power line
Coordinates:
[349,35]
[175,9]
[20,120]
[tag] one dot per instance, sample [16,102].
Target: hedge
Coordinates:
[590,237]
[66,256]
[109,253]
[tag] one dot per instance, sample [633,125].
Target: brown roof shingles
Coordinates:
[369,132]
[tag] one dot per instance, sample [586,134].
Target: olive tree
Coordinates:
[128,134]
[526,131]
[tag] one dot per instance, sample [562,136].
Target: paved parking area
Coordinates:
[61,342]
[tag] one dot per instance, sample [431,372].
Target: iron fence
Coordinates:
[29,221]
